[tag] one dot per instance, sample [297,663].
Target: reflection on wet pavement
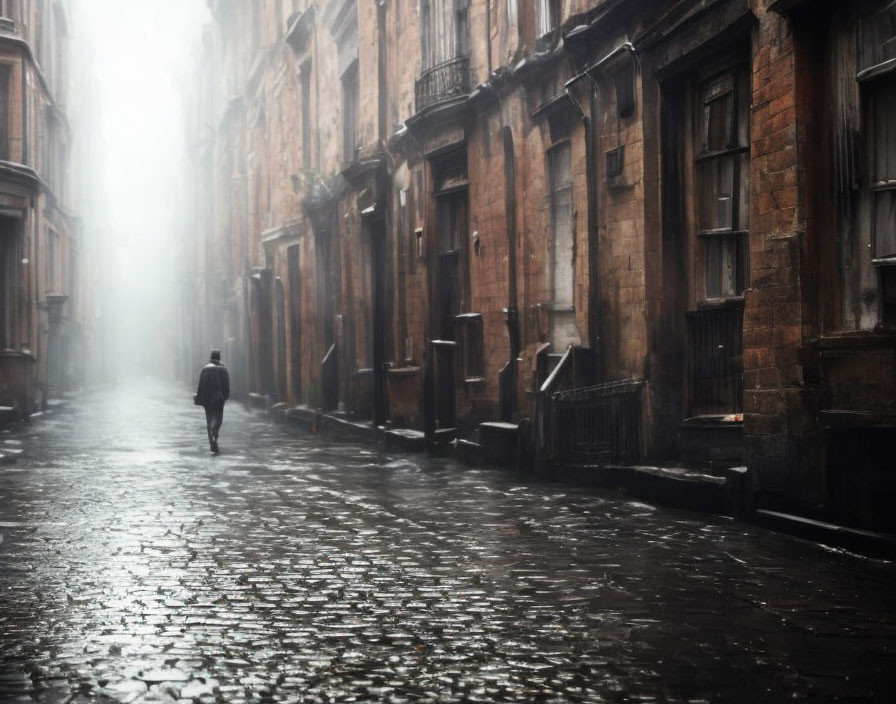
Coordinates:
[137,567]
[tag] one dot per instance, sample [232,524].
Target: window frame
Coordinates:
[554,190]
[351,95]
[5,110]
[305,97]
[444,31]
[548,14]
[731,240]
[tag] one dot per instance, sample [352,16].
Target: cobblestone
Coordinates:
[137,567]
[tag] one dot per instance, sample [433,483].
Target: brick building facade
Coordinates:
[41,292]
[657,231]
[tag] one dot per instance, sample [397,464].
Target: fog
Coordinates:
[130,59]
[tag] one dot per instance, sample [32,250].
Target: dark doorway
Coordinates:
[261,328]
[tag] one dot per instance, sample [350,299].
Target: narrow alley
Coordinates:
[135,566]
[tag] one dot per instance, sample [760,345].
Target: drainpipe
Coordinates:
[513,316]
[594,308]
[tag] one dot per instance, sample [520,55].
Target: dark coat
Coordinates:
[214,385]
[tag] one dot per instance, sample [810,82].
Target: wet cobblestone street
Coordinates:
[135,566]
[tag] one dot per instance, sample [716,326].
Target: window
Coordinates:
[350,94]
[615,162]
[559,165]
[9,267]
[877,43]
[470,337]
[722,178]
[348,70]
[547,17]
[4,112]
[445,31]
[305,80]
[624,80]
[884,178]
[8,9]
[512,13]
[52,273]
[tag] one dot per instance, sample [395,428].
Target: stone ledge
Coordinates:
[676,487]
[865,542]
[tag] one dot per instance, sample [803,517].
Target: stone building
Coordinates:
[41,315]
[561,232]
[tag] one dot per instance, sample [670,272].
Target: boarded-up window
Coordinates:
[884,183]
[559,164]
[722,177]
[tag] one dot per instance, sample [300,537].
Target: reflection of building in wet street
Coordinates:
[136,567]
[661,231]
[41,307]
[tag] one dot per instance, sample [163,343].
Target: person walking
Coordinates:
[214,390]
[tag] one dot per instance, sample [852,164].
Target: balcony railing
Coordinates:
[443,82]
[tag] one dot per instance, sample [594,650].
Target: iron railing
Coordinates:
[716,360]
[599,424]
[445,81]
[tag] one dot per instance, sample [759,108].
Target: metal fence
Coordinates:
[716,360]
[599,424]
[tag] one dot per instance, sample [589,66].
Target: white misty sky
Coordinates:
[140,48]
[139,53]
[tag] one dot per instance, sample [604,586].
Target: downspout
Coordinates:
[594,307]
[513,317]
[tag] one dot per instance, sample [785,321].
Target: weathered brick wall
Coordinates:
[779,315]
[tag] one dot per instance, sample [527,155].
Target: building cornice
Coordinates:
[23,175]
[16,42]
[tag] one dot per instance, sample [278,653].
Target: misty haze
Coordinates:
[447,350]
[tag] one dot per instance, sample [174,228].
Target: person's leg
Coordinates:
[218,419]
[209,424]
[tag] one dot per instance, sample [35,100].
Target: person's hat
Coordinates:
[216,355]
